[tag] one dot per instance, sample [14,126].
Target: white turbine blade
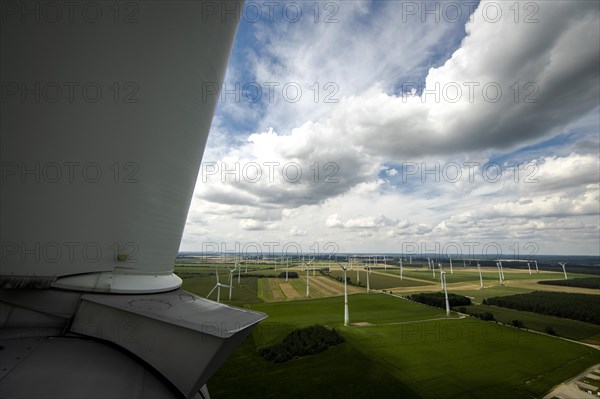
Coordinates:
[211,291]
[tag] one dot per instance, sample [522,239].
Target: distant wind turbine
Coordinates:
[500,273]
[217,287]
[287,265]
[401,269]
[480,277]
[346,314]
[231,280]
[563,267]
[307,276]
[368,268]
[445,287]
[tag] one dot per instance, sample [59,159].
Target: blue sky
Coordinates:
[498,143]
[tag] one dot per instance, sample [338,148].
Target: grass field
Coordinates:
[571,329]
[379,280]
[489,275]
[245,293]
[408,350]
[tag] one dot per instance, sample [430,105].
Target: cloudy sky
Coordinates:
[396,126]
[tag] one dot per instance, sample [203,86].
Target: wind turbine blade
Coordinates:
[211,291]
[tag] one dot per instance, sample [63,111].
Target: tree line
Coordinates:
[438,300]
[582,307]
[591,282]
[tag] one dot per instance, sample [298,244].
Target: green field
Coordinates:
[379,281]
[245,293]
[571,329]
[489,275]
[406,350]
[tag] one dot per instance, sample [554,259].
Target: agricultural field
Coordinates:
[245,293]
[489,275]
[259,285]
[397,348]
[378,280]
[572,329]
[391,342]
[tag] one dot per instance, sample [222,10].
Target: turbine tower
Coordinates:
[451,270]
[529,267]
[231,280]
[536,267]
[307,275]
[368,268]
[500,273]
[480,277]
[445,293]
[401,269]
[563,267]
[307,283]
[346,314]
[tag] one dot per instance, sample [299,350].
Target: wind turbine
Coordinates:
[346,315]
[287,265]
[465,263]
[433,268]
[536,267]
[410,260]
[529,267]
[445,293]
[307,283]
[307,276]
[563,266]
[451,270]
[440,266]
[239,268]
[231,280]
[500,273]
[480,277]
[217,287]
[401,271]
[368,268]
